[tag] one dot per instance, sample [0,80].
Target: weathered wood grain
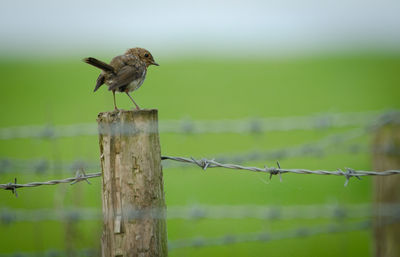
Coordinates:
[386,155]
[132,181]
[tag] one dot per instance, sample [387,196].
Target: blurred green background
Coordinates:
[203,89]
[43,84]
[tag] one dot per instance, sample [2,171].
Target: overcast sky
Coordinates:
[186,27]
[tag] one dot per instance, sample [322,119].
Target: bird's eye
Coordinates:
[146,55]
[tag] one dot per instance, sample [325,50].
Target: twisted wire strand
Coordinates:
[317,148]
[206,163]
[268,236]
[198,212]
[349,172]
[229,239]
[369,119]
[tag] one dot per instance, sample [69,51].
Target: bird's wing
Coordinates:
[128,73]
[118,62]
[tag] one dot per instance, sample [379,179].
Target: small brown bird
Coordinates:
[125,73]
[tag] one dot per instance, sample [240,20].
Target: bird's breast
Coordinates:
[135,84]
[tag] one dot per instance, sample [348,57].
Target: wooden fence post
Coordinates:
[386,156]
[132,185]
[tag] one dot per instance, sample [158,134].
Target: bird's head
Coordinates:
[143,55]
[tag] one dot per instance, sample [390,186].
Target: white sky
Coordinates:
[187,27]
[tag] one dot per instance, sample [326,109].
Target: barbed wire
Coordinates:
[198,212]
[348,172]
[318,148]
[206,163]
[268,236]
[230,239]
[194,127]
[80,176]
[246,125]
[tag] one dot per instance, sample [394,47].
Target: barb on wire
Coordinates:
[370,119]
[79,177]
[349,174]
[274,171]
[318,148]
[205,163]
[11,186]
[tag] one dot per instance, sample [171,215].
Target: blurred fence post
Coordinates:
[132,184]
[386,156]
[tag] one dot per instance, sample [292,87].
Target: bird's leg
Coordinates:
[137,106]
[115,103]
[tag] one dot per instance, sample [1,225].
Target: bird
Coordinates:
[125,73]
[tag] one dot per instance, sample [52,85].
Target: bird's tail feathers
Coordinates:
[99,64]
[99,82]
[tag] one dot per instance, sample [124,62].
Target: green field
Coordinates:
[60,92]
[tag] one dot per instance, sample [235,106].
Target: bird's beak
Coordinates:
[156,64]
